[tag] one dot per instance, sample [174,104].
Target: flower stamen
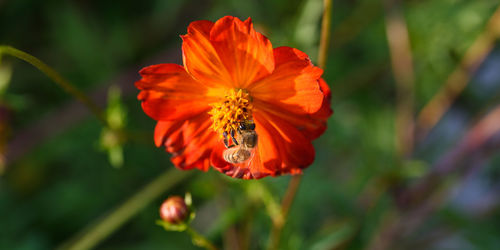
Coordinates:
[234,108]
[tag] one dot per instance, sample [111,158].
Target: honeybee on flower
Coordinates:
[237,104]
[242,150]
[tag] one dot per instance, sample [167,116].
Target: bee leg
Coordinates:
[234,139]
[225,139]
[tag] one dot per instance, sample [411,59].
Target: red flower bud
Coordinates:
[174,210]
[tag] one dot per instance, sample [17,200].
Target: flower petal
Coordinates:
[311,125]
[247,54]
[200,57]
[166,130]
[325,111]
[295,151]
[170,93]
[190,142]
[293,86]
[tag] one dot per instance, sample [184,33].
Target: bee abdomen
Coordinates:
[234,155]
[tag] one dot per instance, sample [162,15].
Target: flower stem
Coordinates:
[324,43]
[200,240]
[57,78]
[275,236]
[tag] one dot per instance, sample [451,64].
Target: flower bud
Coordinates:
[174,210]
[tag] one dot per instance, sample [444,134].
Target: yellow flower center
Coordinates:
[235,108]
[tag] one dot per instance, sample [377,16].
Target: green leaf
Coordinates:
[171,227]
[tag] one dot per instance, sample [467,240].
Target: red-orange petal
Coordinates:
[190,142]
[326,110]
[170,93]
[165,130]
[311,125]
[200,58]
[246,53]
[294,149]
[293,86]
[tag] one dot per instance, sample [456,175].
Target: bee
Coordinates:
[236,155]
[244,142]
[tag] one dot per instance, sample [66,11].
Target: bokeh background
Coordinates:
[385,177]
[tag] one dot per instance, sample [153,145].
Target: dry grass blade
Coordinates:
[457,81]
[402,66]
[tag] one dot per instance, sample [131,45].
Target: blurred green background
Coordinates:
[58,177]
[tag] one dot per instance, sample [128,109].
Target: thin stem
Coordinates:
[275,236]
[246,229]
[259,191]
[100,229]
[402,67]
[57,78]
[325,34]
[293,186]
[200,240]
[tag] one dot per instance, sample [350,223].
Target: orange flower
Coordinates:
[232,77]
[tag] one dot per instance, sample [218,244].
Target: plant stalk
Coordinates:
[57,78]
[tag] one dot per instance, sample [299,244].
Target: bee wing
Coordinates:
[251,168]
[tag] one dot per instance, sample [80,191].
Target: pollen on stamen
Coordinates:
[235,107]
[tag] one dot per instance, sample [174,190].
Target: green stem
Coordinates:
[278,225]
[257,190]
[200,240]
[325,33]
[100,229]
[57,78]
